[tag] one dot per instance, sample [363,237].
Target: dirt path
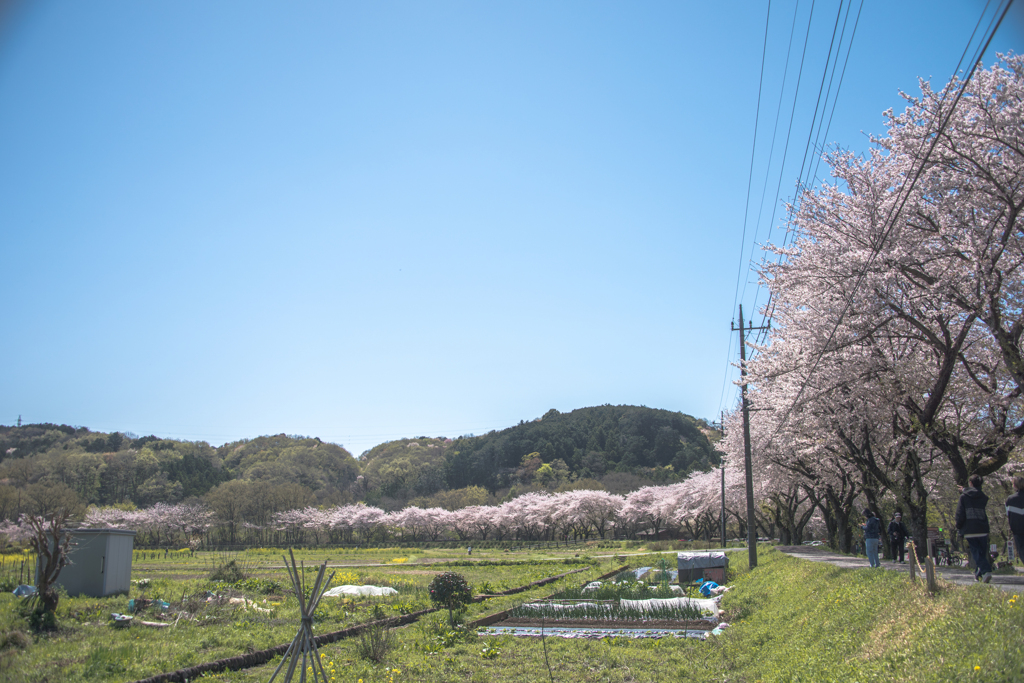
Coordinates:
[962,576]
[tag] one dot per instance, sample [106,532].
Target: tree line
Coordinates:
[895,366]
[614,448]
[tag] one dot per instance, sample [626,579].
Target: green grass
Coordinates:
[792,621]
[804,621]
[88,648]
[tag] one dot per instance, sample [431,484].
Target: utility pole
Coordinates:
[747,466]
[723,481]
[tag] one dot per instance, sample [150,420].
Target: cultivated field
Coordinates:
[792,621]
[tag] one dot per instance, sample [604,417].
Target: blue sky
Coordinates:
[367,221]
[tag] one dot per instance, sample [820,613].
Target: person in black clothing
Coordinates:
[1015,513]
[897,536]
[972,523]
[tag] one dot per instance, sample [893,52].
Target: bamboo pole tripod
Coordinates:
[303,647]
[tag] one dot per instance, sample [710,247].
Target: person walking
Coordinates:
[872,535]
[972,523]
[898,534]
[1015,513]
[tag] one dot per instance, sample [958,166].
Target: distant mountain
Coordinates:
[101,468]
[587,442]
[308,461]
[619,448]
[397,471]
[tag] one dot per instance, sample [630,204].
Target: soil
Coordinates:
[691,624]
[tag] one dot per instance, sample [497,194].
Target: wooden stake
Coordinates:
[929,568]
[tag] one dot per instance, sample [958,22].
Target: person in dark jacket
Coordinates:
[872,535]
[898,534]
[1015,513]
[972,523]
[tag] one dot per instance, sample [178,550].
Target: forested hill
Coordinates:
[48,461]
[618,448]
[587,443]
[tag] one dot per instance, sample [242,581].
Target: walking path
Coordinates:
[961,576]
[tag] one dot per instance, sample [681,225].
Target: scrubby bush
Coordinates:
[229,572]
[450,590]
[375,642]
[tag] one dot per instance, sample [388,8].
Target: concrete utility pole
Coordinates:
[747,466]
[722,425]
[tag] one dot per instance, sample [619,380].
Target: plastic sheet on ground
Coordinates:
[592,633]
[594,585]
[374,591]
[121,620]
[139,604]
[644,571]
[24,591]
[707,587]
[669,603]
[245,603]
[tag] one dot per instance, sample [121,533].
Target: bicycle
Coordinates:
[951,558]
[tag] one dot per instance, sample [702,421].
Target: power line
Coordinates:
[803,184]
[785,149]
[894,213]
[746,210]
[771,152]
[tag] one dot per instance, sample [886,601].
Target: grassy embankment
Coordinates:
[792,621]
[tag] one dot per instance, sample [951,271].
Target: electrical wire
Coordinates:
[785,150]
[746,210]
[903,197]
[771,154]
[770,305]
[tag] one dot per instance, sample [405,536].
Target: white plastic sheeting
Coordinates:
[375,591]
[645,605]
[594,585]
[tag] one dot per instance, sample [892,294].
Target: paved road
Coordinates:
[962,576]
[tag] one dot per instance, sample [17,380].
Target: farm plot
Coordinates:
[626,607]
[206,608]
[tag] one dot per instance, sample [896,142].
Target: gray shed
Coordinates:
[707,566]
[101,562]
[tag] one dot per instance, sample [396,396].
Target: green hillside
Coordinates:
[585,443]
[619,448]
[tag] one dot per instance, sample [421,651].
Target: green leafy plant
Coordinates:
[450,590]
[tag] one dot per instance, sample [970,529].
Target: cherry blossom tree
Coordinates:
[937,268]
[897,309]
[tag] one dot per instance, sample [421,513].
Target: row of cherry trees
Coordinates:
[690,508]
[895,366]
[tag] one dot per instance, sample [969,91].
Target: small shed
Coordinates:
[100,562]
[704,566]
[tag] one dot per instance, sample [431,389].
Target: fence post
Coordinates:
[913,562]
[929,568]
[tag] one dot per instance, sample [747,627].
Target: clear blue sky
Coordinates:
[365,221]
